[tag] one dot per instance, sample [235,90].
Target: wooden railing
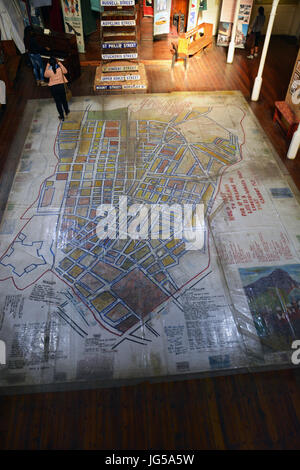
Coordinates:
[195,40]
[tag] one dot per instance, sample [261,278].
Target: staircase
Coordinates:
[120,70]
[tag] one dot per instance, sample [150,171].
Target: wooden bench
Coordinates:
[9,68]
[286,118]
[192,42]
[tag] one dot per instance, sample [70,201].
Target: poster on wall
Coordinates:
[193,14]
[295,83]
[203,5]
[226,22]
[73,21]
[293,91]
[162,11]
[148,7]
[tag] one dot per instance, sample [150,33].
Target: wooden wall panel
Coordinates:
[180,6]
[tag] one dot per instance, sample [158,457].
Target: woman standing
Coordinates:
[256,31]
[55,71]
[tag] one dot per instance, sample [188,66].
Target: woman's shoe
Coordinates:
[61,118]
[42,83]
[38,82]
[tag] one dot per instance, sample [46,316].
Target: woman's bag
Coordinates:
[68,92]
[249,44]
[67,89]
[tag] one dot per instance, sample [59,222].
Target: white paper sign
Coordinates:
[120,68]
[119,78]
[118,56]
[137,85]
[119,45]
[118,23]
[113,3]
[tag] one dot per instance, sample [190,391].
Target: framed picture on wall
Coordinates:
[295,81]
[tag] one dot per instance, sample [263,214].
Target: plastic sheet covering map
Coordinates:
[76,309]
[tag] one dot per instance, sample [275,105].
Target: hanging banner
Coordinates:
[193,14]
[73,21]
[162,11]
[147,7]
[226,22]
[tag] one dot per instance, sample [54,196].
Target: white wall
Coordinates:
[295,25]
[212,14]
[287,19]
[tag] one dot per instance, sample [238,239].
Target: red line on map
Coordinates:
[208,231]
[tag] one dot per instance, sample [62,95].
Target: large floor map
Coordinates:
[79,309]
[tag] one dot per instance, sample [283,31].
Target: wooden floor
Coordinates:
[250,411]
